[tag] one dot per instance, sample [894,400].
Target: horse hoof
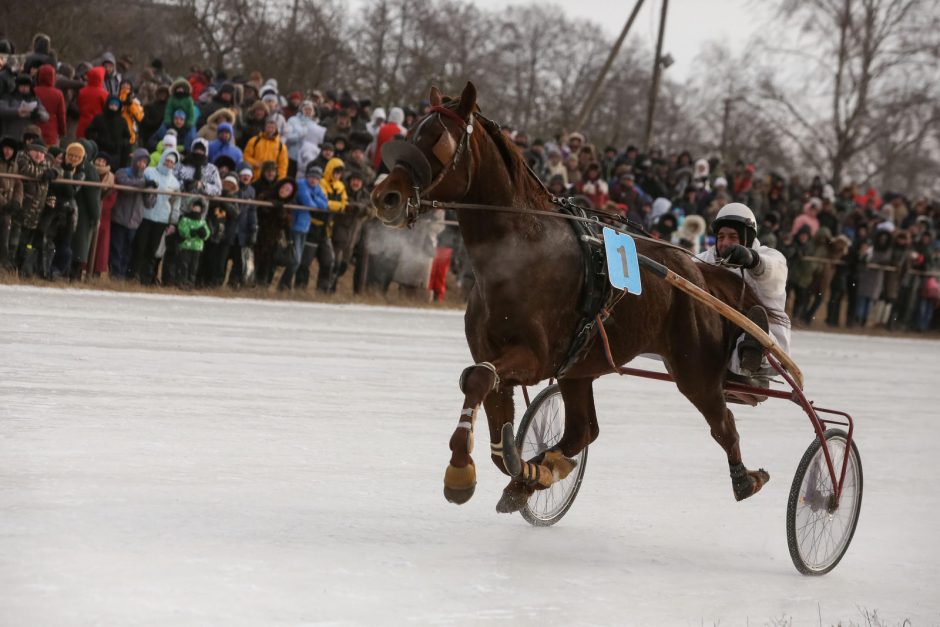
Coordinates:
[511,501]
[750,484]
[459,496]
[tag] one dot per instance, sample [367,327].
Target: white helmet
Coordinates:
[739,217]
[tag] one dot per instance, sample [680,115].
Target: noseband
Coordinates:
[406,154]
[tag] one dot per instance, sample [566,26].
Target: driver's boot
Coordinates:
[750,350]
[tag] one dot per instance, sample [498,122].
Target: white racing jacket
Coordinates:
[769,282]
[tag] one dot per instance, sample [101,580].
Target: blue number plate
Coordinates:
[623,267]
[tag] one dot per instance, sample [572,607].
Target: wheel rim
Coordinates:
[544,431]
[823,536]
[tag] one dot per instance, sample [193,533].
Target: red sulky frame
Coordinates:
[795,395]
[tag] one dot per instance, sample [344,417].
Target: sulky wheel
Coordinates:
[819,534]
[542,426]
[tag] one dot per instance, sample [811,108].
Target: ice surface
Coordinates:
[191,461]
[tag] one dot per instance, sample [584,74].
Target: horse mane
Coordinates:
[522,178]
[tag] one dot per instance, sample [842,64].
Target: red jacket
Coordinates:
[91,99]
[387,133]
[54,102]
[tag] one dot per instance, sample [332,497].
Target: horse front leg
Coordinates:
[489,384]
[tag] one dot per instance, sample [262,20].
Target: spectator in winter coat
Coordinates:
[241,251]
[11,197]
[42,53]
[128,213]
[319,244]
[388,132]
[58,219]
[193,232]
[109,131]
[808,217]
[870,275]
[35,162]
[181,99]
[224,144]
[112,79]
[21,108]
[252,123]
[273,223]
[99,263]
[593,186]
[185,136]
[225,99]
[153,113]
[347,225]
[88,201]
[91,99]
[309,194]
[210,131]
[267,146]
[53,100]
[131,110]
[378,119]
[222,218]
[302,129]
[161,214]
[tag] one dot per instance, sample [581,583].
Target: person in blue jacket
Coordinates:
[224,145]
[309,194]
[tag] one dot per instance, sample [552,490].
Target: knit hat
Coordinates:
[314,170]
[75,150]
[169,141]
[37,145]
[246,171]
[179,113]
[230,181]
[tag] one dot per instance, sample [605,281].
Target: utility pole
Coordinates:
[657,71]
[599,81]
[725,119]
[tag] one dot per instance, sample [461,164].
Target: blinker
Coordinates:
[400,152]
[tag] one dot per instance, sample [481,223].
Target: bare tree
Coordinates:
[866,52]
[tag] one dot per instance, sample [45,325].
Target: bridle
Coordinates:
[404,153]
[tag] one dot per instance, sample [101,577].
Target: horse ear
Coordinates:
[435,97]
[468,100]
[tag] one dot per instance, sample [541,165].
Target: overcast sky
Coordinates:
[689,24]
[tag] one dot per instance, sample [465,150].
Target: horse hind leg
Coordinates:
[706,394]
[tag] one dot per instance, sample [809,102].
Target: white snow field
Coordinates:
[196,461]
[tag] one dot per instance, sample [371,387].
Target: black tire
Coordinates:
[541,427]
[811,527]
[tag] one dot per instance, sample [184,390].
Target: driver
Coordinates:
[765,270]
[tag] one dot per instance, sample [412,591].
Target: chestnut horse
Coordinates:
[523,309]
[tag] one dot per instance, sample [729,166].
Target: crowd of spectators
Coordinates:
[855,257]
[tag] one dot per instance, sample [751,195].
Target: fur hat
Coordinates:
[75,149]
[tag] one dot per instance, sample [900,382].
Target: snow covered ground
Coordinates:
[190,461]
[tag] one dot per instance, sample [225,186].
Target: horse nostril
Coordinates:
[391,200]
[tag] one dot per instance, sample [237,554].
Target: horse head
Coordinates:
[433,162]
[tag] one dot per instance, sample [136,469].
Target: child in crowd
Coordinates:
[194,231]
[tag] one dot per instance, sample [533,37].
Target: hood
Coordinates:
[108,57]
[95,77]
[331,165]
[275,193]
[41,43]
[91,149]
[378,114]
[139,153]
[218,116]
[225,126]
[396,115]
[200,141]
[181,82]
[823,235]
[46,76]
[693,226]
[166,154]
